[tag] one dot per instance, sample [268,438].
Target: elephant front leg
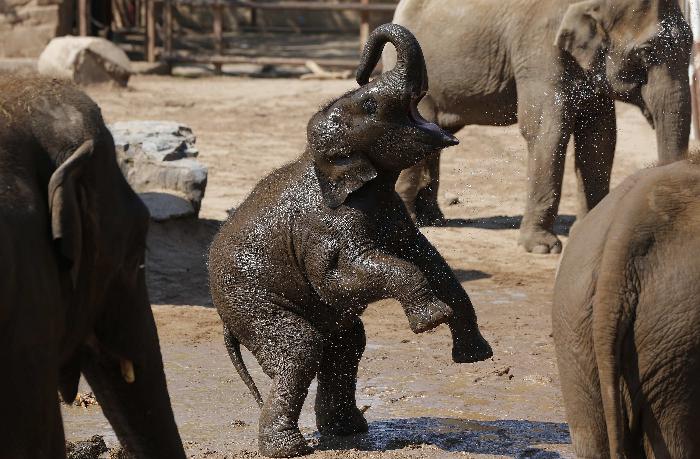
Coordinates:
[547,132]
[468,345]
[374,275]
[594,141]
[336,409]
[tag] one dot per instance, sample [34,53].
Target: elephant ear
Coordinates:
[340,165]
[581,33]
[341,174]
[65,207]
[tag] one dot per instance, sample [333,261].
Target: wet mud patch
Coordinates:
[514,438]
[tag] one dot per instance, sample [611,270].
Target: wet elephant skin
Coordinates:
[73,296]
[317,240]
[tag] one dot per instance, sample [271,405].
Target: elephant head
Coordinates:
[99,230]
[377,128]
[640,49]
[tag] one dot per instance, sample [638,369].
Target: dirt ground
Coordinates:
[419,404]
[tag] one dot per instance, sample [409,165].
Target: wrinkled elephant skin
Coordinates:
[555,67]
[626,319]
[317,240]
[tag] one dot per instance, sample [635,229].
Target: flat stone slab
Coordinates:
[158,140]
[166,205]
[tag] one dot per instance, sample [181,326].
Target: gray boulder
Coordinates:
[85,60]
[158,159]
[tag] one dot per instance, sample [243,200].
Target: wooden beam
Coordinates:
[204,59]
[301,6]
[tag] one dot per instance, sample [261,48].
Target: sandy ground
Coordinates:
[419,403]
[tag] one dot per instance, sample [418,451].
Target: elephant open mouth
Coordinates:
[425,125]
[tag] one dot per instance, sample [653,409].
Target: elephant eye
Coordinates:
[370,106]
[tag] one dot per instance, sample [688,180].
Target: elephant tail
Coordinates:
[614,304]
[234,352]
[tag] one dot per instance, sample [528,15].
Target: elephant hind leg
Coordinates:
[289,350]
[584,410]
[578,375]
[671,435]
[336,408]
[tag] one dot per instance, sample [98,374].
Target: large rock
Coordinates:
[85,60]
[158,159]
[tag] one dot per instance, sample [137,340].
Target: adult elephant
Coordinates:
[626,319]
[73,296]
[555,67]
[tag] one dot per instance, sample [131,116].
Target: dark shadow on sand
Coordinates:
[514,438]
[466,275]
[562,224]
[176,270]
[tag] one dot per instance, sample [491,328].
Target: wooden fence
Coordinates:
[167,53]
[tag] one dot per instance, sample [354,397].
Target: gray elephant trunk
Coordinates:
[123,366]
[667,97]
[410,63]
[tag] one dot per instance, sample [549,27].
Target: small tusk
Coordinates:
[127,367]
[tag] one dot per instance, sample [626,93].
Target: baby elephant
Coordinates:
[626,319]
[320,238]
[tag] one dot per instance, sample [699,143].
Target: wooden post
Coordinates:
[150,31]
[84,17]
[253,17]
[142,14]
[168,27]
[218,32]
[364,25]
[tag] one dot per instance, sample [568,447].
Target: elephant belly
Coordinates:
[455,110]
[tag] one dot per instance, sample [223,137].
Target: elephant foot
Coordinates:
[427,317]
[285,443]
[474,349]
[341,422]
[539,241]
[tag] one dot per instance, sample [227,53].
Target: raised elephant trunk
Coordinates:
[410,63]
